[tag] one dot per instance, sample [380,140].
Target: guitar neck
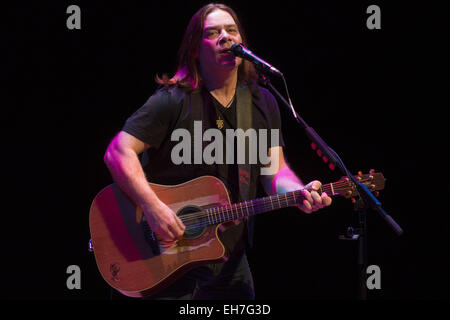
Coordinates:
[253,207]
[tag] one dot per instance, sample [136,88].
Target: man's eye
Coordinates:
[212,33]
[232,30]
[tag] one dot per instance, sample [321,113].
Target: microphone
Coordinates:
[239,50]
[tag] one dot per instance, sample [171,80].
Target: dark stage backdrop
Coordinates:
[375,96]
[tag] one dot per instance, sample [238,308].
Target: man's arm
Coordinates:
[285,180]
[122,160]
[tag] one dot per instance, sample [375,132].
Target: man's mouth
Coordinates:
[225,50]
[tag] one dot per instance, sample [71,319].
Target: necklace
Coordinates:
[219,121]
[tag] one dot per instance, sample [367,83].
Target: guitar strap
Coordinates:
[244,120]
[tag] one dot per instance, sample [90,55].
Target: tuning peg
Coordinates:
[313,146]
[371,171]
[353,200]
[331,166]
[325,159]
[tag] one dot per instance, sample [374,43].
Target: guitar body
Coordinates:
[130,257]
[126,250]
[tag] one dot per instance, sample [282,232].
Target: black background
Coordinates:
[375,96]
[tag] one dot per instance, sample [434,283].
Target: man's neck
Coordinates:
[221,84]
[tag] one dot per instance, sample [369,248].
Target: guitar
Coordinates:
[128,254]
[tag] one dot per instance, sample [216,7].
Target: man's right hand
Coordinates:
[122,160]
[165,223]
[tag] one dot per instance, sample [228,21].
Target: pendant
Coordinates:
[219,123]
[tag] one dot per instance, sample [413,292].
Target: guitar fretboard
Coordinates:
[228,212]
[252,207]
[240,210]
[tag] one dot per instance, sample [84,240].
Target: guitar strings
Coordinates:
[228,207]
[226,211]
[207,219]
[224,217]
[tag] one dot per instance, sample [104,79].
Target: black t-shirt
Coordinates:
[165,111]
[227,173]
[169,109]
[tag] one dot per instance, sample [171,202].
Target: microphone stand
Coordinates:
[366,198]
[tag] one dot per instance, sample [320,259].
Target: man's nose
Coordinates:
[224,36]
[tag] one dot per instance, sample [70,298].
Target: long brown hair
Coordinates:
[188,75]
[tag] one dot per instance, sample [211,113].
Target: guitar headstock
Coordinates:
[374,181]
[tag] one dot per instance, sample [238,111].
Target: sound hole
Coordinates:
[195,221]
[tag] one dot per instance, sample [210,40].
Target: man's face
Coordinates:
[219,33]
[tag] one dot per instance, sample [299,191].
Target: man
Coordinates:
[214,87]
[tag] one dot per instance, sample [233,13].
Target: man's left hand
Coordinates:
[313,201]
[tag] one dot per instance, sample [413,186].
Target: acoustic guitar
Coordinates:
[128,254]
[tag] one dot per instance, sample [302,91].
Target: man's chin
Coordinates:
[230,62]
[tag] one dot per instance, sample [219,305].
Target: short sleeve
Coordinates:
[152,122]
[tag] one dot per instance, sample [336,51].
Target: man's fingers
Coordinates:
[180,224]
[313,201]
[317,199]
[168,234]
[326,200]
[176,230]
[306,207]
[307,196]
[316,185]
